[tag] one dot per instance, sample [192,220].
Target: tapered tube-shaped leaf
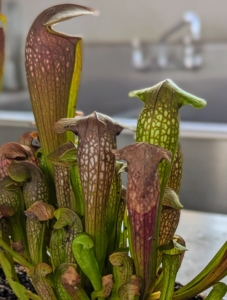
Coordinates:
[67,227]
[64,192]
[82,247]
[114,199]
[53,65]
[142,204]
[170,218]
[4,230]
[57,247]
[41,282]
[158,122]
[35,233]
[171,260]
[113,208]
[119,243]
[67,283]
[159,281]
[175,177]
[107,285]
[11,197]
[131,289]
[34,189]
[96,138]
[67,178]
[34,183]
[77,189]
[122,271]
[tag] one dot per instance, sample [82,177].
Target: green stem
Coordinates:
[32,296]
[213,272]
[11,277]
[17,256]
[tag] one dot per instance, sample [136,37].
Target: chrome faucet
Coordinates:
[192,55]
[192,50]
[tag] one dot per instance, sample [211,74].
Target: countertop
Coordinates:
[204,234]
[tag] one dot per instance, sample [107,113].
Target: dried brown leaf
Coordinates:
[18,247]
[107,283]
[40,211]
[6,211]
[130,289]
[70,279]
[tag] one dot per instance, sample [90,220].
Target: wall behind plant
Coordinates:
[121,20]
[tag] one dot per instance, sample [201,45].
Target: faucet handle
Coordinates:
[138,60]
[192,53]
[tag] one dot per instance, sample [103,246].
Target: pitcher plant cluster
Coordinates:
[64,214]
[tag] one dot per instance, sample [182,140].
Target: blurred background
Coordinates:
[132,45]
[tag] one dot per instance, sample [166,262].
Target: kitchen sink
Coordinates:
[107,78]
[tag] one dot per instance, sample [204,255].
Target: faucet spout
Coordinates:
[189,18]
[192,49]
[195,24]
[171,31]
[192,55]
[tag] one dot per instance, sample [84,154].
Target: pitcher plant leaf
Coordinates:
[96,138]
[142,204]
[53,63]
